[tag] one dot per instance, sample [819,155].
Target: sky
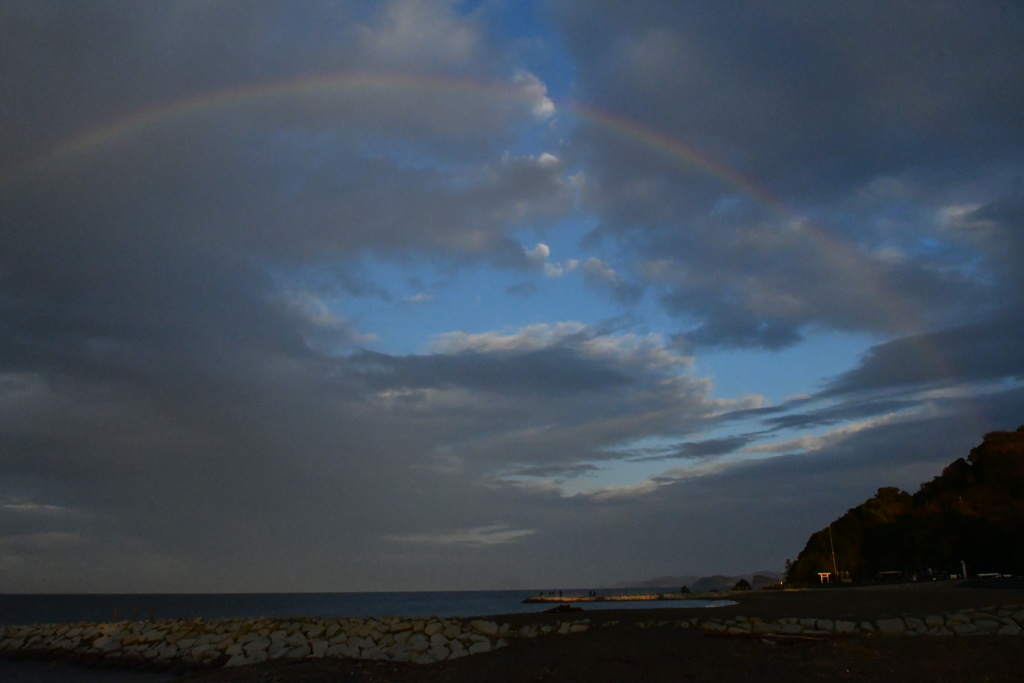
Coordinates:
[441,295]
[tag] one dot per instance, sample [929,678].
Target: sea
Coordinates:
[74,608]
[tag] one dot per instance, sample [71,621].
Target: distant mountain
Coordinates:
[718,582]
[972,515]
[767,578]
[704,584]
[675,582]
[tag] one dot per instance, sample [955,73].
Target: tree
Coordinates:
[972,512]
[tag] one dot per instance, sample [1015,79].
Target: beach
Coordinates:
[839,633]
[637,648]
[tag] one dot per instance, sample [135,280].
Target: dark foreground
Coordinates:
[626,652]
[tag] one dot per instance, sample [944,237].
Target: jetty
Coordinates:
[555,597]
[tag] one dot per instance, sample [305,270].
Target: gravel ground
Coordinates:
[626,652]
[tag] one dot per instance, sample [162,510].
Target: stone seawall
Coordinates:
[1006,620]
[200,643]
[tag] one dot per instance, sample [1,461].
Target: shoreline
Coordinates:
[210,645]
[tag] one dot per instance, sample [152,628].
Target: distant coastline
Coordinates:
[626,597]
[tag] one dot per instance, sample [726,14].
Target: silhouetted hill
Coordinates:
[971,515]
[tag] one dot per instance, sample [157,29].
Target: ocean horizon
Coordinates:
[34,608]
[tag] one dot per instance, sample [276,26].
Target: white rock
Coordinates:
[915,624]
[107,643]
[439,653]
[845,627]
[400,653]
[298,652]
[239,660]
[296,639]
[400,626]
[987,625]
[486,627]
[418,643]
[894,625]
[259,644]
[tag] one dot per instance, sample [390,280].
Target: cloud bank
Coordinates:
[422,295]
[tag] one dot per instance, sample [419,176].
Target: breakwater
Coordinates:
[1007,620]
[200,643]
[622,597]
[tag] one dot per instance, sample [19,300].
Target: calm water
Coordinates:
[35,609]
[29,609]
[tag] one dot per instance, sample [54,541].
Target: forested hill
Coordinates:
[972,513]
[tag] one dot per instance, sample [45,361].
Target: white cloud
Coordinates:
[420,34]
[32,508]
[497,534]
[547,159]
[529,338]
[622,493]
[542,107]
[538,255]
[831,438]
[597,270]
[418,298]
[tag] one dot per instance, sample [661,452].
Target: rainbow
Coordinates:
[838,254]
[150,118]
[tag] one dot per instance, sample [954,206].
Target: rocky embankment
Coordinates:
[200,643]
[207,644]
[1006,620]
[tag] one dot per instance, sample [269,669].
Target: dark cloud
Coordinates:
[549,372]
[837,414]
[799,106]
[976,353]
[724,446]
[709,448]
[571,471]
[196,200]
